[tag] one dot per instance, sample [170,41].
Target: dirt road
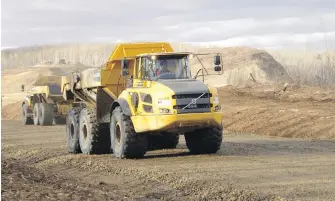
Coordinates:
[36,165]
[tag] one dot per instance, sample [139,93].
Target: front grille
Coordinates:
[185,96]
[191,103]
[178,107]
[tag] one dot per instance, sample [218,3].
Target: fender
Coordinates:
[124,106]
[26,101]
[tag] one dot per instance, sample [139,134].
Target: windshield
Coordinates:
[166,67]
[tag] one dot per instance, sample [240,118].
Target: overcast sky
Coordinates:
[256,23]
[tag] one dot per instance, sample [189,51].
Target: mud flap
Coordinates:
[104,103]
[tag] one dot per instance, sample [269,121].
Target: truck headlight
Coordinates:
[164,102]
[216,100]
[216,103]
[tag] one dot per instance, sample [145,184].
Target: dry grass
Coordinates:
[309,68]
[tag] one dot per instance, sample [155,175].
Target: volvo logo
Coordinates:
[193,102]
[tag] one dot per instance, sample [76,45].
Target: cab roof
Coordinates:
[163,54]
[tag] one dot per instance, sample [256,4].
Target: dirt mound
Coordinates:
[242,66]
[11,111]
[286,92]
[12,79]
[302,112]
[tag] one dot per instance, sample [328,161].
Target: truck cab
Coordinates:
[164,94]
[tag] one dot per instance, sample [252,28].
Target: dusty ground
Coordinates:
[35,166]
[303,112]
[11,111]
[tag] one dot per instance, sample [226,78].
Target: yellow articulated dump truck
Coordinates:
[142,99]
[44,104]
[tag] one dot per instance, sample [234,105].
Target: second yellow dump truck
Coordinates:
[142,99]
[44,104]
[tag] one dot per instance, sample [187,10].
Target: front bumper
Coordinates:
[176,122]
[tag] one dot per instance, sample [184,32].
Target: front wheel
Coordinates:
[26,120]
[36,114]
[46,114]
[204,141]
[126,143]
[72,131]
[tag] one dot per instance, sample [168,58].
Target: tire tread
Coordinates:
[73,147]
[47,114]
[204,141]
[100,143]
[135,145]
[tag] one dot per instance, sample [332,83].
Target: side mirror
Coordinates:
[124,67]
[77,78]
[217,60]
[217,68]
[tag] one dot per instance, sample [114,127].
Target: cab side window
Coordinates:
[145,67]
[143,70]
[136,67]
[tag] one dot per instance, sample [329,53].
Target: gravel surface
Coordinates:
[36,166]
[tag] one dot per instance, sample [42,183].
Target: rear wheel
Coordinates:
[126,143]
[24,115]
[93,138]
[163,140]
[72,131]
[204,141]
[36,113]
[46,114]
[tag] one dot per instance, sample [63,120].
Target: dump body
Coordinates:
[110,77]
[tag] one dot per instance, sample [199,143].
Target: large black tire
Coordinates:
[72,131]
[93,138]
[163,140]
[24,115]
[36,114]
[204,141]
[59,120]
[126,143]
[47,114]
